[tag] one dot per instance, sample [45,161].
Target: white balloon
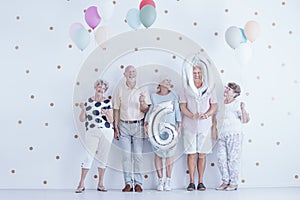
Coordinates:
[106,10]
[243,53]
[101,34]
[233,36]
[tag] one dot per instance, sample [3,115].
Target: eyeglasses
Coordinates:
[195,73]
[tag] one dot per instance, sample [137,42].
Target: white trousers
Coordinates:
[97,142]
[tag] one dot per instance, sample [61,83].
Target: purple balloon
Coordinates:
[92,17]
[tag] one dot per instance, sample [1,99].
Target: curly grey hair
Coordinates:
[101,82]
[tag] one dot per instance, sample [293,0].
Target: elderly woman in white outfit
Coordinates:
[230,138]
[97,113]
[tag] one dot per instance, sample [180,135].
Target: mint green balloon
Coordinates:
[148,15]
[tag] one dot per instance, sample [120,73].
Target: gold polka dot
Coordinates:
[157,38]
[125,20]
[195,23]
[250,141]
[32,96]
[212,164]
[187,171]
[257,163]
[156,70]
[278,143]
[20,122]
[166,11]
[290,32]
[90,30]
[45,182]
[262,124]
[51,104]
[77,83]
[283,3]
[27,71]
[296,176]
[222,71]
[46,124]
[122,66]
[75,136]
[256,13]
[13,171]
[76,104]
[17,47]
[97,151]
[30,148]
[84,10]
[216,33]
[146,176]
[136,49]
[269,46]
[58,67]
[114,2]
[180,38]
[51,28]
[17,17]
[273,24]
[174,57]
[95,176]
[226,10]
[57,157]
[70,46]
[243,181]
[109,97]
[201,50]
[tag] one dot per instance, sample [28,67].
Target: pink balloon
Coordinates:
[92,17]
[252,30]
[146,2]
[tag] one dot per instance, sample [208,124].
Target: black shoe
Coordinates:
[191,187]
[201,187]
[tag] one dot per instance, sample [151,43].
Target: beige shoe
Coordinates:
[231,188]
[80,189]
[222,187]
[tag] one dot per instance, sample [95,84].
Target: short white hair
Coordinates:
[101,82]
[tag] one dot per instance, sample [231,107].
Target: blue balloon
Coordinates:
[133,18]
[164,135]
[148,15]
[244,38]
[82,38]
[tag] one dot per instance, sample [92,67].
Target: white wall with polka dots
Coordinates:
[40,146]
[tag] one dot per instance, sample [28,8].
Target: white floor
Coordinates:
[291,193]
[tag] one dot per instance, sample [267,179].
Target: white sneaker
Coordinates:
[160,186]
[168,184]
